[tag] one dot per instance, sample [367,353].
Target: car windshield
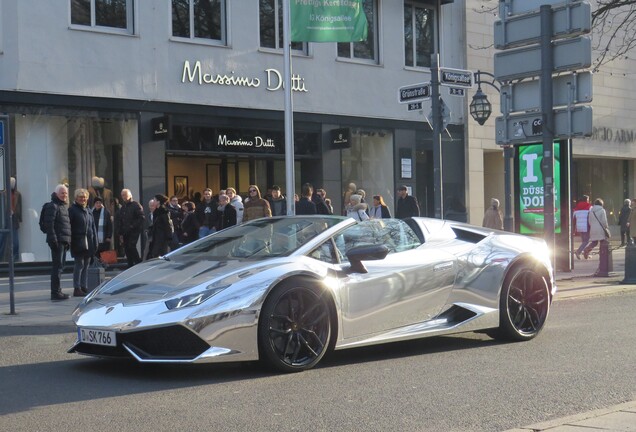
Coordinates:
[262,238]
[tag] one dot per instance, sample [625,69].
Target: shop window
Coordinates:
[368,165]
[419,34]
[108,14]
[83,149]
[271,26]
[364,50]
[200,20]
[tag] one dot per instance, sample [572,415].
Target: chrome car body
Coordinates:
[288,289]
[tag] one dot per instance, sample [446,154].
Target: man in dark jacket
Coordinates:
[407,205]
[305,205]
[162,228]
[206,213]
[130,222]
[321,206]
[57,225]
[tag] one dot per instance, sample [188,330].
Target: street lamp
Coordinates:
[480,109]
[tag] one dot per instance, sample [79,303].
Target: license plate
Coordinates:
[97,337]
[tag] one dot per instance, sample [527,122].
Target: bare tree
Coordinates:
[613,28]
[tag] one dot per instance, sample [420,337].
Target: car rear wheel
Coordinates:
[524,305]
[294,327]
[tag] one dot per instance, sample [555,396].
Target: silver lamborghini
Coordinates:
[287,290]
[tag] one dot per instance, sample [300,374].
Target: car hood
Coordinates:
[159,280]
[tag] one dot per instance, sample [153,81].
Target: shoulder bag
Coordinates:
[605,229]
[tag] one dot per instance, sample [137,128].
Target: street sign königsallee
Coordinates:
[414,92]
[508,8]
[456,77]
[570,19]
[572,88]
[568,55]
[527,127]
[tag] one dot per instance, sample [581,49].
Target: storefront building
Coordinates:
[177,97]
[602,166]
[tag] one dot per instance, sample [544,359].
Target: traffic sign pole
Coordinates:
[547,164]
[7,230]
[437,138]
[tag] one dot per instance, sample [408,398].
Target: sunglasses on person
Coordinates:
[252,190]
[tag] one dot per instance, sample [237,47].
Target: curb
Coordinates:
[596,417]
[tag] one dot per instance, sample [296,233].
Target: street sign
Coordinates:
[457,91]
[414,106]
[508,8]
[527,127]
[568,55]
[456,77]
[570,19]
[414,92]
[572,88]
[1,132]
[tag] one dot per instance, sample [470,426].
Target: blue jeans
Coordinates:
[204,231]
[585,239]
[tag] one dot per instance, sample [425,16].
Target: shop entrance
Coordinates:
[187,175]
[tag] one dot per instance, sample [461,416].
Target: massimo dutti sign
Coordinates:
[271,79]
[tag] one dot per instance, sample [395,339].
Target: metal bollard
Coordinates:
[605,263]
[630,264]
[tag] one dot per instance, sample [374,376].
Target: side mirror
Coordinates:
[365,253]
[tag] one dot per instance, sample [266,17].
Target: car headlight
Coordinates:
[194,299]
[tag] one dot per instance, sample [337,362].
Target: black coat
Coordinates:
[305,206]
[83,231]
[161,232]
[321,206]
[226,217]
[56,221]
[108,224]
[130,219]
[407,207]
[190,227]
[206,213]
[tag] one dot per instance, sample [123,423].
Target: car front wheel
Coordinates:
[524,304]
[294,327]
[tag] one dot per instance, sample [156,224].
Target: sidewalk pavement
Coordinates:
[33,307]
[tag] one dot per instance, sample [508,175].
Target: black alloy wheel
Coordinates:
[295,327]
[525,304]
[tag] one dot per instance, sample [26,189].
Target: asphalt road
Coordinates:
[583,360]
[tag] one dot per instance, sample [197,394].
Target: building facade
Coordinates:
[602,166]
[173,97]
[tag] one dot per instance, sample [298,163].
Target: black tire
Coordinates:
[294,327]
[524,305]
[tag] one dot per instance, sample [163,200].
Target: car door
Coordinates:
[409,286]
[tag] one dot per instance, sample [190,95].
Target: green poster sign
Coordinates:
[327,21]
[531,189]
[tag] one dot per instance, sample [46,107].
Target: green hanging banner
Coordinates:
[328,21]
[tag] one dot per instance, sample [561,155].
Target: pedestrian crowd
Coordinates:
[97,226]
